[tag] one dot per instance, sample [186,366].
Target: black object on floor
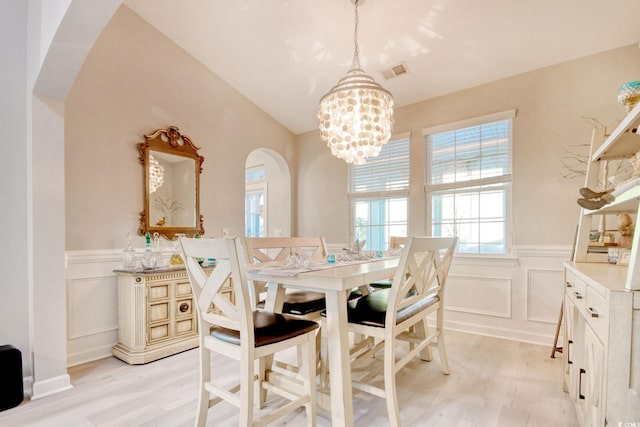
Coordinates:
[11,390]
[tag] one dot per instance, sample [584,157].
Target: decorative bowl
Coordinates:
[629,94]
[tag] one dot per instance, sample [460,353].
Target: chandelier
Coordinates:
[357,114]
[156,174]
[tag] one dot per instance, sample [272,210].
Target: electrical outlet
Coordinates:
[225,232]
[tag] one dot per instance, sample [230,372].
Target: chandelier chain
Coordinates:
[355,64]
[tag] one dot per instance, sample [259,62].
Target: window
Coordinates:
[255,197]
[378,194]
[468,182]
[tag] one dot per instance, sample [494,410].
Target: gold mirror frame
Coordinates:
[170,143]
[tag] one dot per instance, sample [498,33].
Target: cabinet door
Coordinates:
[592,381]
[574,355]
[569,330]
[159,296]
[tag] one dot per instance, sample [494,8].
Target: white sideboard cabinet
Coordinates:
[156,315]
[601,360]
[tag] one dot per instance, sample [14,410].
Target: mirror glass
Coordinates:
[172,169]
[172,190]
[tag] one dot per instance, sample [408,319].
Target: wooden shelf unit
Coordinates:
[621,143]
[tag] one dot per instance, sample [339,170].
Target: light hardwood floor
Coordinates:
[493,382]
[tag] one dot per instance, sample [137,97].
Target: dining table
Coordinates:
[335,280]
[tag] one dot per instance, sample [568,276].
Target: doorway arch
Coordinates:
[276,187]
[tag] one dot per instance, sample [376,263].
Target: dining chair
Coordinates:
[399,314]
[305,304]
[396,243]
[267,249]
[231,327]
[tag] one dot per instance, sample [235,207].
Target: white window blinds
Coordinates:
[389,171]
[469,154]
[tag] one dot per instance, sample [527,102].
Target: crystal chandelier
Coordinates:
[357,114]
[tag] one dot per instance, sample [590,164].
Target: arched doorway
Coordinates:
[267,194]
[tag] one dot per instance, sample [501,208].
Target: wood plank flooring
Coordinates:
[493,382]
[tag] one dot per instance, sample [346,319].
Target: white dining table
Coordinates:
[335,281]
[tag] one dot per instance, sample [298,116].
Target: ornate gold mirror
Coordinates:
[172,170]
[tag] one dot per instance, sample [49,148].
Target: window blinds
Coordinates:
[389,171]
[469,154]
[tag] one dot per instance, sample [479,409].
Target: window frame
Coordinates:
[506,181]
[380,196]
[257,187]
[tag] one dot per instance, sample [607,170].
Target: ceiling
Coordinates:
[284,55]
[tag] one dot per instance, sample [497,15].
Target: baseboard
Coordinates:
[503,333]
[82,357]
[27,385]
[50,386]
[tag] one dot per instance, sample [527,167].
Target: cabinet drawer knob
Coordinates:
[577,294]
[593,312]
[184,307]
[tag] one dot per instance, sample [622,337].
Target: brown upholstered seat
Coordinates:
[371,309]
[268,328]
[305,302]
[267,249]
[301,302]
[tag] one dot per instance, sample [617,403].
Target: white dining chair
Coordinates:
[399,313]
[268,249]
[230,326]
[304,304]
[396,243]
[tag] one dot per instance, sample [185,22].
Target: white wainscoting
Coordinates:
[93,299]
[516,298]
[483,295]
[92,305]
[544,297]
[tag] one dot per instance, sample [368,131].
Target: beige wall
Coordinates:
[133,82]
[552,104]
[322,191]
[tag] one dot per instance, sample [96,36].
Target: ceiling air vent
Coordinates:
[395,71]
